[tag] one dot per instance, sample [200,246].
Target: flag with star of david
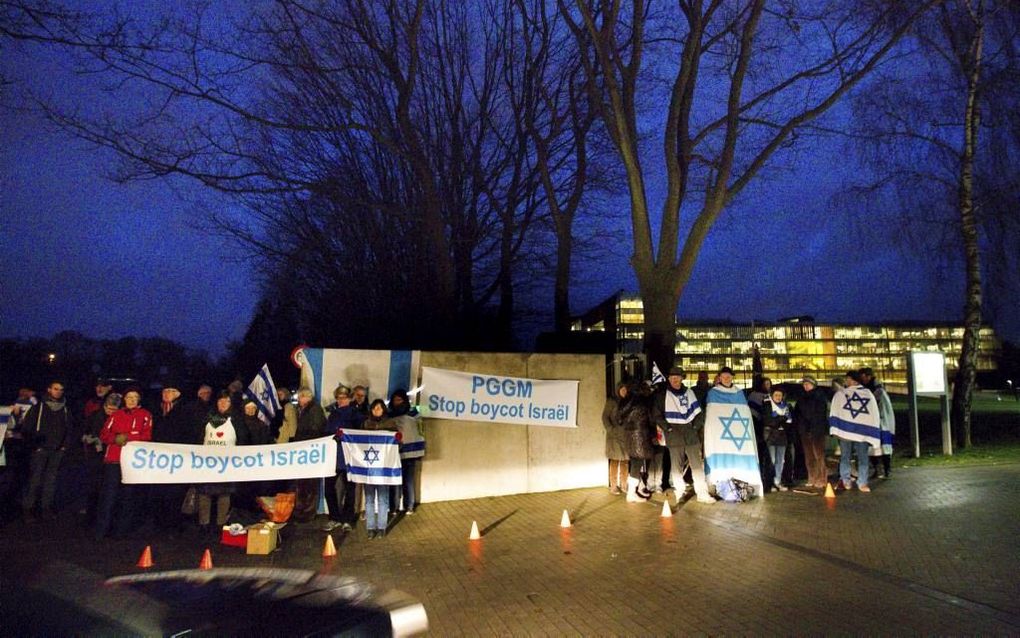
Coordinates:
[853,416]
[730,447]
[372,456]
[262,391]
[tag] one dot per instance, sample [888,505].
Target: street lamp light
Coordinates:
[51,358]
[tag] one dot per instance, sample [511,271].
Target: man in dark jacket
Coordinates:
[173,422]
[678,413]
[48,429]
[811,417]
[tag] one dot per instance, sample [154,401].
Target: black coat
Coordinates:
[47,429]
[811,414]
[177,426]
[636,416]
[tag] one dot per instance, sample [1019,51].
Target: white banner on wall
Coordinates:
[147,462]
[468,396]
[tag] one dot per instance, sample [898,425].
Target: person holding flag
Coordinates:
[730,447]
[372,455]
[854,421]
[262,392]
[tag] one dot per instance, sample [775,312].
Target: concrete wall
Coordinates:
[467,459]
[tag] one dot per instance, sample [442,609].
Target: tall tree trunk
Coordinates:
[967,371]
[659,303]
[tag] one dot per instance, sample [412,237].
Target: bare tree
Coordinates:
[367,134]
[938,153]
[742,80]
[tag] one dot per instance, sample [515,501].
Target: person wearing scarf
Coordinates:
[130,423]
[48,430]
[777,421]
[677,411]
[341,496]
[223,427]
[412,446]
[172,423]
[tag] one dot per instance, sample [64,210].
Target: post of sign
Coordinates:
[927,376]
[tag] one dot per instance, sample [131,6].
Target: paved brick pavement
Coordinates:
[930,551]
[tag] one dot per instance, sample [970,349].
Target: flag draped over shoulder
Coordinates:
[730,447]
[853,416]
[262,391]
[372,456]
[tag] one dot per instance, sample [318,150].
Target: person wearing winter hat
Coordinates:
[130,423]
[811,416]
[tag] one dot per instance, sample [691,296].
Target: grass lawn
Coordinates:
[995,433]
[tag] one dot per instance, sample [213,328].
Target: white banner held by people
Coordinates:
[148,462]
[468,396]
[372,456]
[262,391]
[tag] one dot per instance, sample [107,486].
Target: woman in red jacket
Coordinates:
[130,423]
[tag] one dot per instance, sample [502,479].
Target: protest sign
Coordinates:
[147,462]
[468,396]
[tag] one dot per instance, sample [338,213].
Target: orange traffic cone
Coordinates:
[206,562]
[475,534]
[145,560]
[667,511]
[829,493]
[565,519]
[329,549]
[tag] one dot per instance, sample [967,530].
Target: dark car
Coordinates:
[64,599]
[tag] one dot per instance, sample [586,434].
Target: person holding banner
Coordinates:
[130,423]
[224,427]
[341,495]
[377,495]
[311,424]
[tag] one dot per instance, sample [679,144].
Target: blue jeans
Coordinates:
[407,470]
[861,449]
[777,453]
[377,506]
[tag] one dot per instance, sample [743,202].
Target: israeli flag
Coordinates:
[381,371]
[372,456]
[262,391]
[657,376]
[731,450]
[853,416]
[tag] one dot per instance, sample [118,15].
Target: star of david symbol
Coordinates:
[265,396]
[728,422]
[862,401]
[371,455]
[682,399]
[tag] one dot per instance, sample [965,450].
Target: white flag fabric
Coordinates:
[730,447]
[853,416]
[262,391]
[372,456]
[657,376]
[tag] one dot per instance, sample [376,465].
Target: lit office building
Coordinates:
[789,348]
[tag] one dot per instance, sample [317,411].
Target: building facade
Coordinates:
[789,348]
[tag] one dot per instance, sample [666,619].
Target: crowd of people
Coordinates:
[655,435]
[59,456]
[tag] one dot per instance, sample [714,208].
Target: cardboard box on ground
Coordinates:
[263,537]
